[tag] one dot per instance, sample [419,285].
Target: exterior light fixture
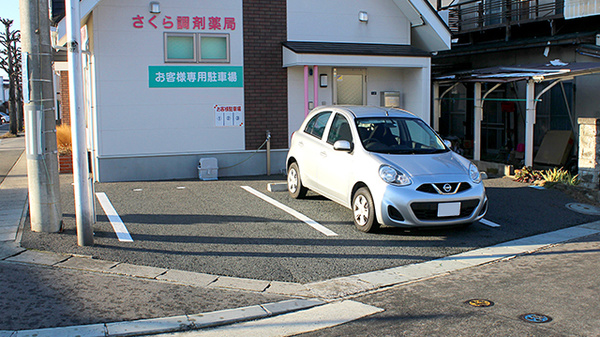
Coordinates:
[155,7]
[363,16]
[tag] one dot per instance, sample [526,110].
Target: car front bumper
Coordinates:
[406,206]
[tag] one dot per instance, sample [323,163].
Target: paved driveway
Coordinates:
[222,227]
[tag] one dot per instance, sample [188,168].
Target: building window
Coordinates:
[214,48]
[180,48]
[193,48]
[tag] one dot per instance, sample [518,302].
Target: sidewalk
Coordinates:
[50,294]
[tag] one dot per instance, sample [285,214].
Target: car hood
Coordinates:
[427,164]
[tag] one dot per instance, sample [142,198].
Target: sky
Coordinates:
[9,10]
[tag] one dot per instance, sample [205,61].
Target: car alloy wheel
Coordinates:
[295,183]
[364,211]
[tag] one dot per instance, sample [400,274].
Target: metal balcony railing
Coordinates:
[477,15]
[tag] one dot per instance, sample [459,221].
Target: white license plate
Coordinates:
[448,209]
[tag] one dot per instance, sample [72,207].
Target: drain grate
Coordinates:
[479,303]
[583,208]
[535,318]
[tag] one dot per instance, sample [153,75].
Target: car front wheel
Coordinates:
[294,182]
[363,210]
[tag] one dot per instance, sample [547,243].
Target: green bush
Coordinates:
[556,175]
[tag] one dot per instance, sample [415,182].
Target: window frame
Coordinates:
[166,45]
[201,60]
[197,38]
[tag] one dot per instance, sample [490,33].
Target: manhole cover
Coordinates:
[479,303]
[535,318]
[583,208]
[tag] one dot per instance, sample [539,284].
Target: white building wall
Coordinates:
[337,21]
[135,120]
[412,83]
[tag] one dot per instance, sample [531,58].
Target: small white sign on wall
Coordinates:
[229,115]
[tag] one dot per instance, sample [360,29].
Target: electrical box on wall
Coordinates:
[391,99]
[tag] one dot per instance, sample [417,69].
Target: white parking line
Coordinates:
[292,212]
[114,218]
[488,223]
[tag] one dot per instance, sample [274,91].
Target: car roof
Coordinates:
[361,111]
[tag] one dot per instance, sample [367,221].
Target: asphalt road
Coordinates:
[217,227]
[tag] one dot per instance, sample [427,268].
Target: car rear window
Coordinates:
[316,125]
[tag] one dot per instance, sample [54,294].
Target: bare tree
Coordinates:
[10,62]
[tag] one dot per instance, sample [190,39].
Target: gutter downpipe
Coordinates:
[305,91]
[316,85]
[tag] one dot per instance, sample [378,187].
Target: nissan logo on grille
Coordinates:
[447,188]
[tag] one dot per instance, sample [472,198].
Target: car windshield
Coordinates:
[396,135]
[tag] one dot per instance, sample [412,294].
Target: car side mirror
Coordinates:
[342,145]
[448,143]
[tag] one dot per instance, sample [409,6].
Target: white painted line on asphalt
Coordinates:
[292,212]
[114,218]
[488,223]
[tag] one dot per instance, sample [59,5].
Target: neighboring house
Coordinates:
[170,82]
[4,90]
[517,69]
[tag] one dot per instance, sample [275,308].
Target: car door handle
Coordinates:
[323,154]
[300,144]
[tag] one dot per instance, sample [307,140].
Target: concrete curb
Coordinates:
[277,187]
[173,324]
[326,291]
[333,289]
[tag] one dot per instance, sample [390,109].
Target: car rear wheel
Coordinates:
[364,211]
[294,182]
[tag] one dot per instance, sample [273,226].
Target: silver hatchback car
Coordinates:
[387,165]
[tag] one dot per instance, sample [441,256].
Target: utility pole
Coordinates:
[42,162]
[81,181]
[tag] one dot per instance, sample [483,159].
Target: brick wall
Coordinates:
[265,80]
[65,110]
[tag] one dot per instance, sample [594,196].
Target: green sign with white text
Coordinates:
[195,77]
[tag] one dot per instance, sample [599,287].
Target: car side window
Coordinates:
[340,130]
[316,125]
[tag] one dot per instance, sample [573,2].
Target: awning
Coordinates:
[299,53]
[538,72]
[338,48]
[555,71]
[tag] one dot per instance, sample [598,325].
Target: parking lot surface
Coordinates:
[227,227]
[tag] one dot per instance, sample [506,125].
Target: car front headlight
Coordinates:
[392,176]
[474,173]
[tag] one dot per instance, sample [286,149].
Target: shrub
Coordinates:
[560,176]
[63,139]
[547,178]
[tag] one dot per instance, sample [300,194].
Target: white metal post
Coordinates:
[529,122]
[477,122]
[437,106]
[83,197]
